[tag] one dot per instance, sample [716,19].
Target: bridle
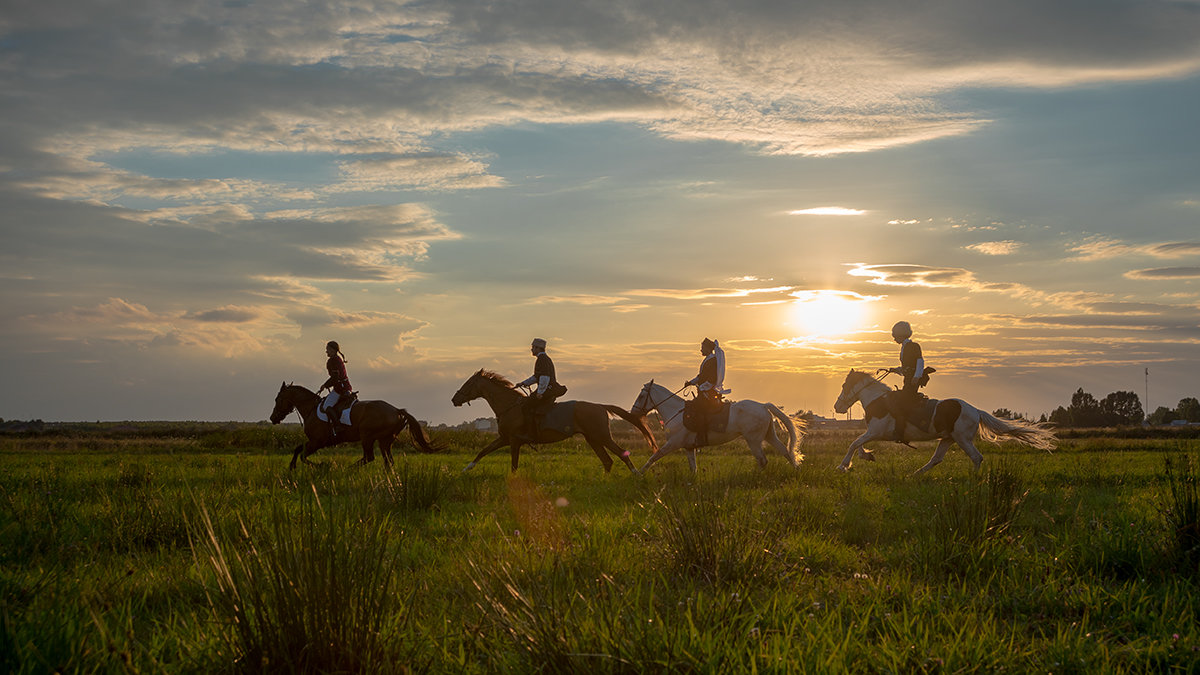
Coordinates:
[864,382]
[654,406]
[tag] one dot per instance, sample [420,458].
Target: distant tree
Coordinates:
[1004,413]
[1043,419]
[1060,417]
[1121,408]
[1162,415]
[1085,410]
[1188,409]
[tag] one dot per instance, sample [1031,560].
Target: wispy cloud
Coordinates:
[1160,273]
[1008,247]
[827,211]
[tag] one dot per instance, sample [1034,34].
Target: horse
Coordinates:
[954,421]
[370,422]
[749,419]
[589,419]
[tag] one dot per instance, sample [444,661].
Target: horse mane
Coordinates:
[496,377]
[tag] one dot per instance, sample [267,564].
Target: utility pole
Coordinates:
[1147,418]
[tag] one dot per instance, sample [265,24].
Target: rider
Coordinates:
[338,384]
[912,368]
[537,404]
[709,386]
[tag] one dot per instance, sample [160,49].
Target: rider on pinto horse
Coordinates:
[912,368]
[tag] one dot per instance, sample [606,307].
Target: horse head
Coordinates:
[284,405]
[852,388]
[469,391]
[644,403]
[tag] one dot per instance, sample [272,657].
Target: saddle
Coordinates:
[560,417]
[932,415]
[694,416]
[345,417]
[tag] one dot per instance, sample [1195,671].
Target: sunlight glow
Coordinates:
[830,312]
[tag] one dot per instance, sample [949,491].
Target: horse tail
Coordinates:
[994,429]
[638,421]
[417,433]
[795,429]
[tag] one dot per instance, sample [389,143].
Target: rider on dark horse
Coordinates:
[912,369]
[538,403]
[708,382]
[340,394]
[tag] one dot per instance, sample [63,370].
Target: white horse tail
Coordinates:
[1035,435]
[793,433]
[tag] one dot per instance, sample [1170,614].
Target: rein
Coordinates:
[654,406]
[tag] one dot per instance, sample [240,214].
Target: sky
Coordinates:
[196,196]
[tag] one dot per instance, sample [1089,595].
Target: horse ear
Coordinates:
[282,386]
[652,380]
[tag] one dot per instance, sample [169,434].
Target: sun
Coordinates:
[828,312]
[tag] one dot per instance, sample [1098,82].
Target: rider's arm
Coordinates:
[920,369]
[543,383]
[527,381]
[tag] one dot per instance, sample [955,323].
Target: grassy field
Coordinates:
[192,548]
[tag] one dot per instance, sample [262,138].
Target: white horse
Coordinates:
[749,419]
[954,421]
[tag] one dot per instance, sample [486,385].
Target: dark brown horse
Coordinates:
[589,419]
[371,422]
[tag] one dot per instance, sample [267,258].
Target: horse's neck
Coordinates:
[500,398]
[668,405]
[306,402]
[870,392]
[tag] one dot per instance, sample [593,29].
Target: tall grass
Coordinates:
[309,591]
[1182,510]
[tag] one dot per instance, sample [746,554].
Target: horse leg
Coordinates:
[671,445]
[621,453]
[755,440]
[855,447]
[597,446]
[385,447]
[295,456]
[490,447]
[309,448]
[368,446]
[691,455]
[515,452]
[967,443]
[942,446]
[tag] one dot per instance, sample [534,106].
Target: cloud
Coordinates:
[1164,273]
[996,247]
[1106,248]
[916,275]
[704,293]
[578,299]
[827,211]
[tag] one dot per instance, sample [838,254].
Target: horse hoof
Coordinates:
[469,467]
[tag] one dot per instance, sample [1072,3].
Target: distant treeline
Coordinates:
[1120,408]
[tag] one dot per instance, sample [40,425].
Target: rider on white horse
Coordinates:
[710,386]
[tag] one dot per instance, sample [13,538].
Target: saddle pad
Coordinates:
[717,421]
[345,413]
[560,418]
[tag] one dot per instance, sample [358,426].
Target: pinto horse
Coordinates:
[749,419]
[370,422]
[589,419]
[954,421]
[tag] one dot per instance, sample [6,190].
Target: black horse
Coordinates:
[370,421]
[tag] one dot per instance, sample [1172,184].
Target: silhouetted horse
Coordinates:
[954,421]
[371,422]
[589,419]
